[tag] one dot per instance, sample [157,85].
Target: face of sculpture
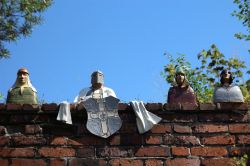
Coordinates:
[226,76]
[97,80]
[180,79]
[22,78]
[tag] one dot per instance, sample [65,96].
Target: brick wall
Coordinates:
[208,135]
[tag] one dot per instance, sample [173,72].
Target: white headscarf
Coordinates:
[16,84]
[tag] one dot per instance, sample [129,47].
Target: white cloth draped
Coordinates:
[64,113]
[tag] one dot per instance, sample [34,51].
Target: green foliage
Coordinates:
[242,161]
[17,18]
[203,78]
[243,15]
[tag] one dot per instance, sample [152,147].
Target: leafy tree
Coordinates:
[203,78]
[17,18]
[243,14]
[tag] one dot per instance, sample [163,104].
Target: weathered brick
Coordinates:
[209,151]
[154,106]
[87,162]
[58,140]
[17,152]
[128,128]
[125,162]
[91,140]
[179,117]
[28,140]
[4,162]
[239,151]
[58,162]
[243,139]
[27,162]
[207,107]
[4,140]
[50,107]
[161,129]
[182,162]
[189,107]
[13,107]
[152,162]
[219,140]
[181,140]
[239,128]
[33,129]
[30,107]
[132,139]
[182,129]
[215,117]
[56,152]
[232,106]
[86,152]
[218,162]
[115,152]
[210,128]
[2,106]
[180,151]
[171,107]
[153,139]
[123,106]
[153,151]
[115,140]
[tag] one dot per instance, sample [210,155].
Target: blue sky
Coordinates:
[124,39]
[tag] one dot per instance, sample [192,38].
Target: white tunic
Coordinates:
[88,92]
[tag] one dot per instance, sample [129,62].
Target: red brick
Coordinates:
[115,140]
[244,139]
[49,107]
[153,151]
[57,162]
[161,129]
[17,152]
[209,151]
[4,140]
[183,162]
[56,152]
[182,129]
[153,140]
[86,152]
[232,106]
[33,129]
[218,162]
[91,140]
[179,117]
[58,140]
[153,162]
[215,117]
[30,107]
[28,140]
[180,151]
[189,107]
[27,162]
[210,128]
[239,128]
[239,151]
[87,162]
[125,162]
[128,128]
[219,140]
[186,140]
[207,106]
[153,106]
[115,152]
[132,139]
[4,162]
[171,107]
[2,106]
[13,107]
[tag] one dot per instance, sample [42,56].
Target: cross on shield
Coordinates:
[103,119]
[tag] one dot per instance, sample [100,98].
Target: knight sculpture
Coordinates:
[101,105]
[22,92]
[182,92]
[227,92]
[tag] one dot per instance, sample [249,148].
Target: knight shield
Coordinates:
[103,118]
